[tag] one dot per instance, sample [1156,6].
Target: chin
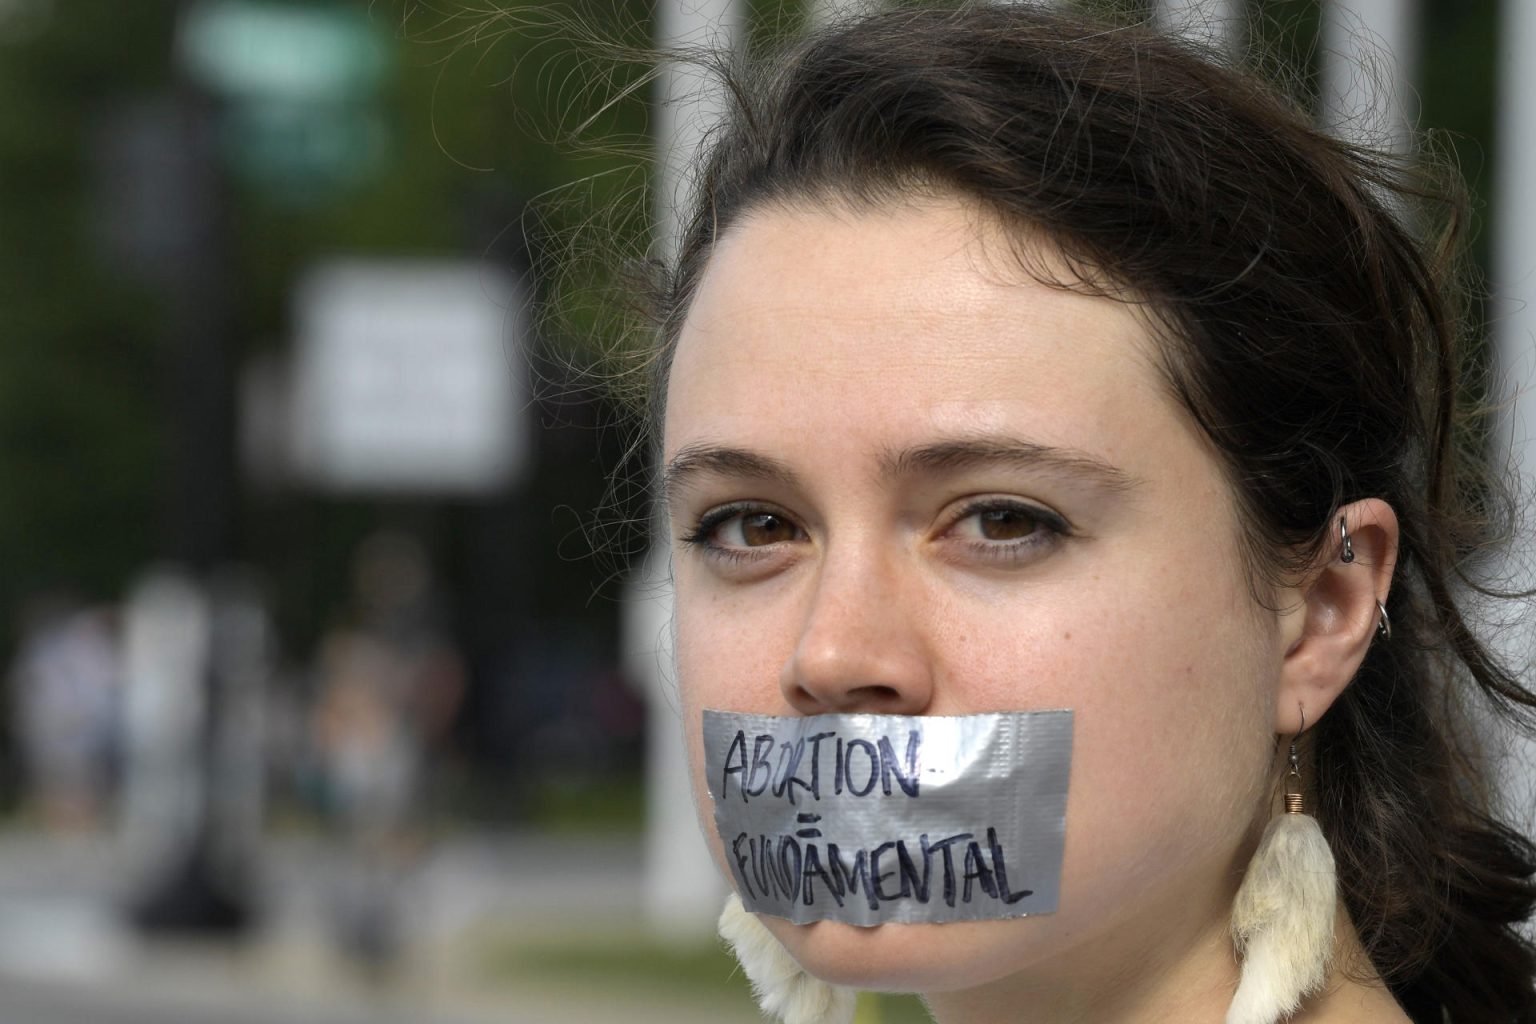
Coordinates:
[909,957]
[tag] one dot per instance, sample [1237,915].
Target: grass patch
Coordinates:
[708,973]
[602,805]
[706,976]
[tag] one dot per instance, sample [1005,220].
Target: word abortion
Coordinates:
[858,765]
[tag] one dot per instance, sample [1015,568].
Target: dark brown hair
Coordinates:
[1313,336]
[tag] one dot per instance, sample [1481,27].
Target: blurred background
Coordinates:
[333,688]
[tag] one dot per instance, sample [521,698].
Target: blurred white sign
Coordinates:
[409,377]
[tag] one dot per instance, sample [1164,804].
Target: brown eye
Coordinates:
[1006,524]
[761,528]
[734,532]
[1005,533]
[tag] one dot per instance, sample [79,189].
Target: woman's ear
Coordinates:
[1334,615]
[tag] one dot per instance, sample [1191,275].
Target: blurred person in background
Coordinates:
[390,685]
[66,685]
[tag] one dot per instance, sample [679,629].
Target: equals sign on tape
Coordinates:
[808,819]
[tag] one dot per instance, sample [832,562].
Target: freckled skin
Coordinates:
[826,338]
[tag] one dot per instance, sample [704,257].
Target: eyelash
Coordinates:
[1004,552]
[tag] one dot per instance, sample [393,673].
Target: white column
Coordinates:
[691,101]
[683,889]
[822,12]
[1513,319]
[1369,52]
[1219,24]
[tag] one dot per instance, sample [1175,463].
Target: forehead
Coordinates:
[891,323]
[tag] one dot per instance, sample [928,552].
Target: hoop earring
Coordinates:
[786,991]
[1383,624]
[1347,546]
[1282,919]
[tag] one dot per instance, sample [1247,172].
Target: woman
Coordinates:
[1012,363]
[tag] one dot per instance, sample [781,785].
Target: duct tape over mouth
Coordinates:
[877,819]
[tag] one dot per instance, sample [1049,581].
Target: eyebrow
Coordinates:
[945,456]
[696,460]
[973,452]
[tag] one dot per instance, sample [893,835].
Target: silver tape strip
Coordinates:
[874,819]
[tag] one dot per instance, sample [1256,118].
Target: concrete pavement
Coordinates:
[470,909]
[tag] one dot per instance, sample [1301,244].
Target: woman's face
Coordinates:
[905,478]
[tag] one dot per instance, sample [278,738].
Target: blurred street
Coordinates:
[476,906]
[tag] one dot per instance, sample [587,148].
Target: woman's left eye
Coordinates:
[1007,530]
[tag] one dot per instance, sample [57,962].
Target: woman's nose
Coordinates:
[861,648]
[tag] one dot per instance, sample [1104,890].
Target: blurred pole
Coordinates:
[683,887]
[1513,316]
[166,627]
[690,101]
[195,660]
[1218,24]
[1369,51]
[189,807]
[820,13]
[202,481]
[682,890]
[162,216]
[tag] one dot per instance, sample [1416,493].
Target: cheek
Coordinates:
[1171,683]
[728,657]
[730,651]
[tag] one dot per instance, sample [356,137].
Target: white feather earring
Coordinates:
[1282,919]
[784,989]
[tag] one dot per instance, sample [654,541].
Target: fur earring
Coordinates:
[1282,919]
[784,989]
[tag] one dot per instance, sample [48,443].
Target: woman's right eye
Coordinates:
[733,531]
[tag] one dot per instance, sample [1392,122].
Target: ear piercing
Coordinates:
[1347,554]
[1293,797]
